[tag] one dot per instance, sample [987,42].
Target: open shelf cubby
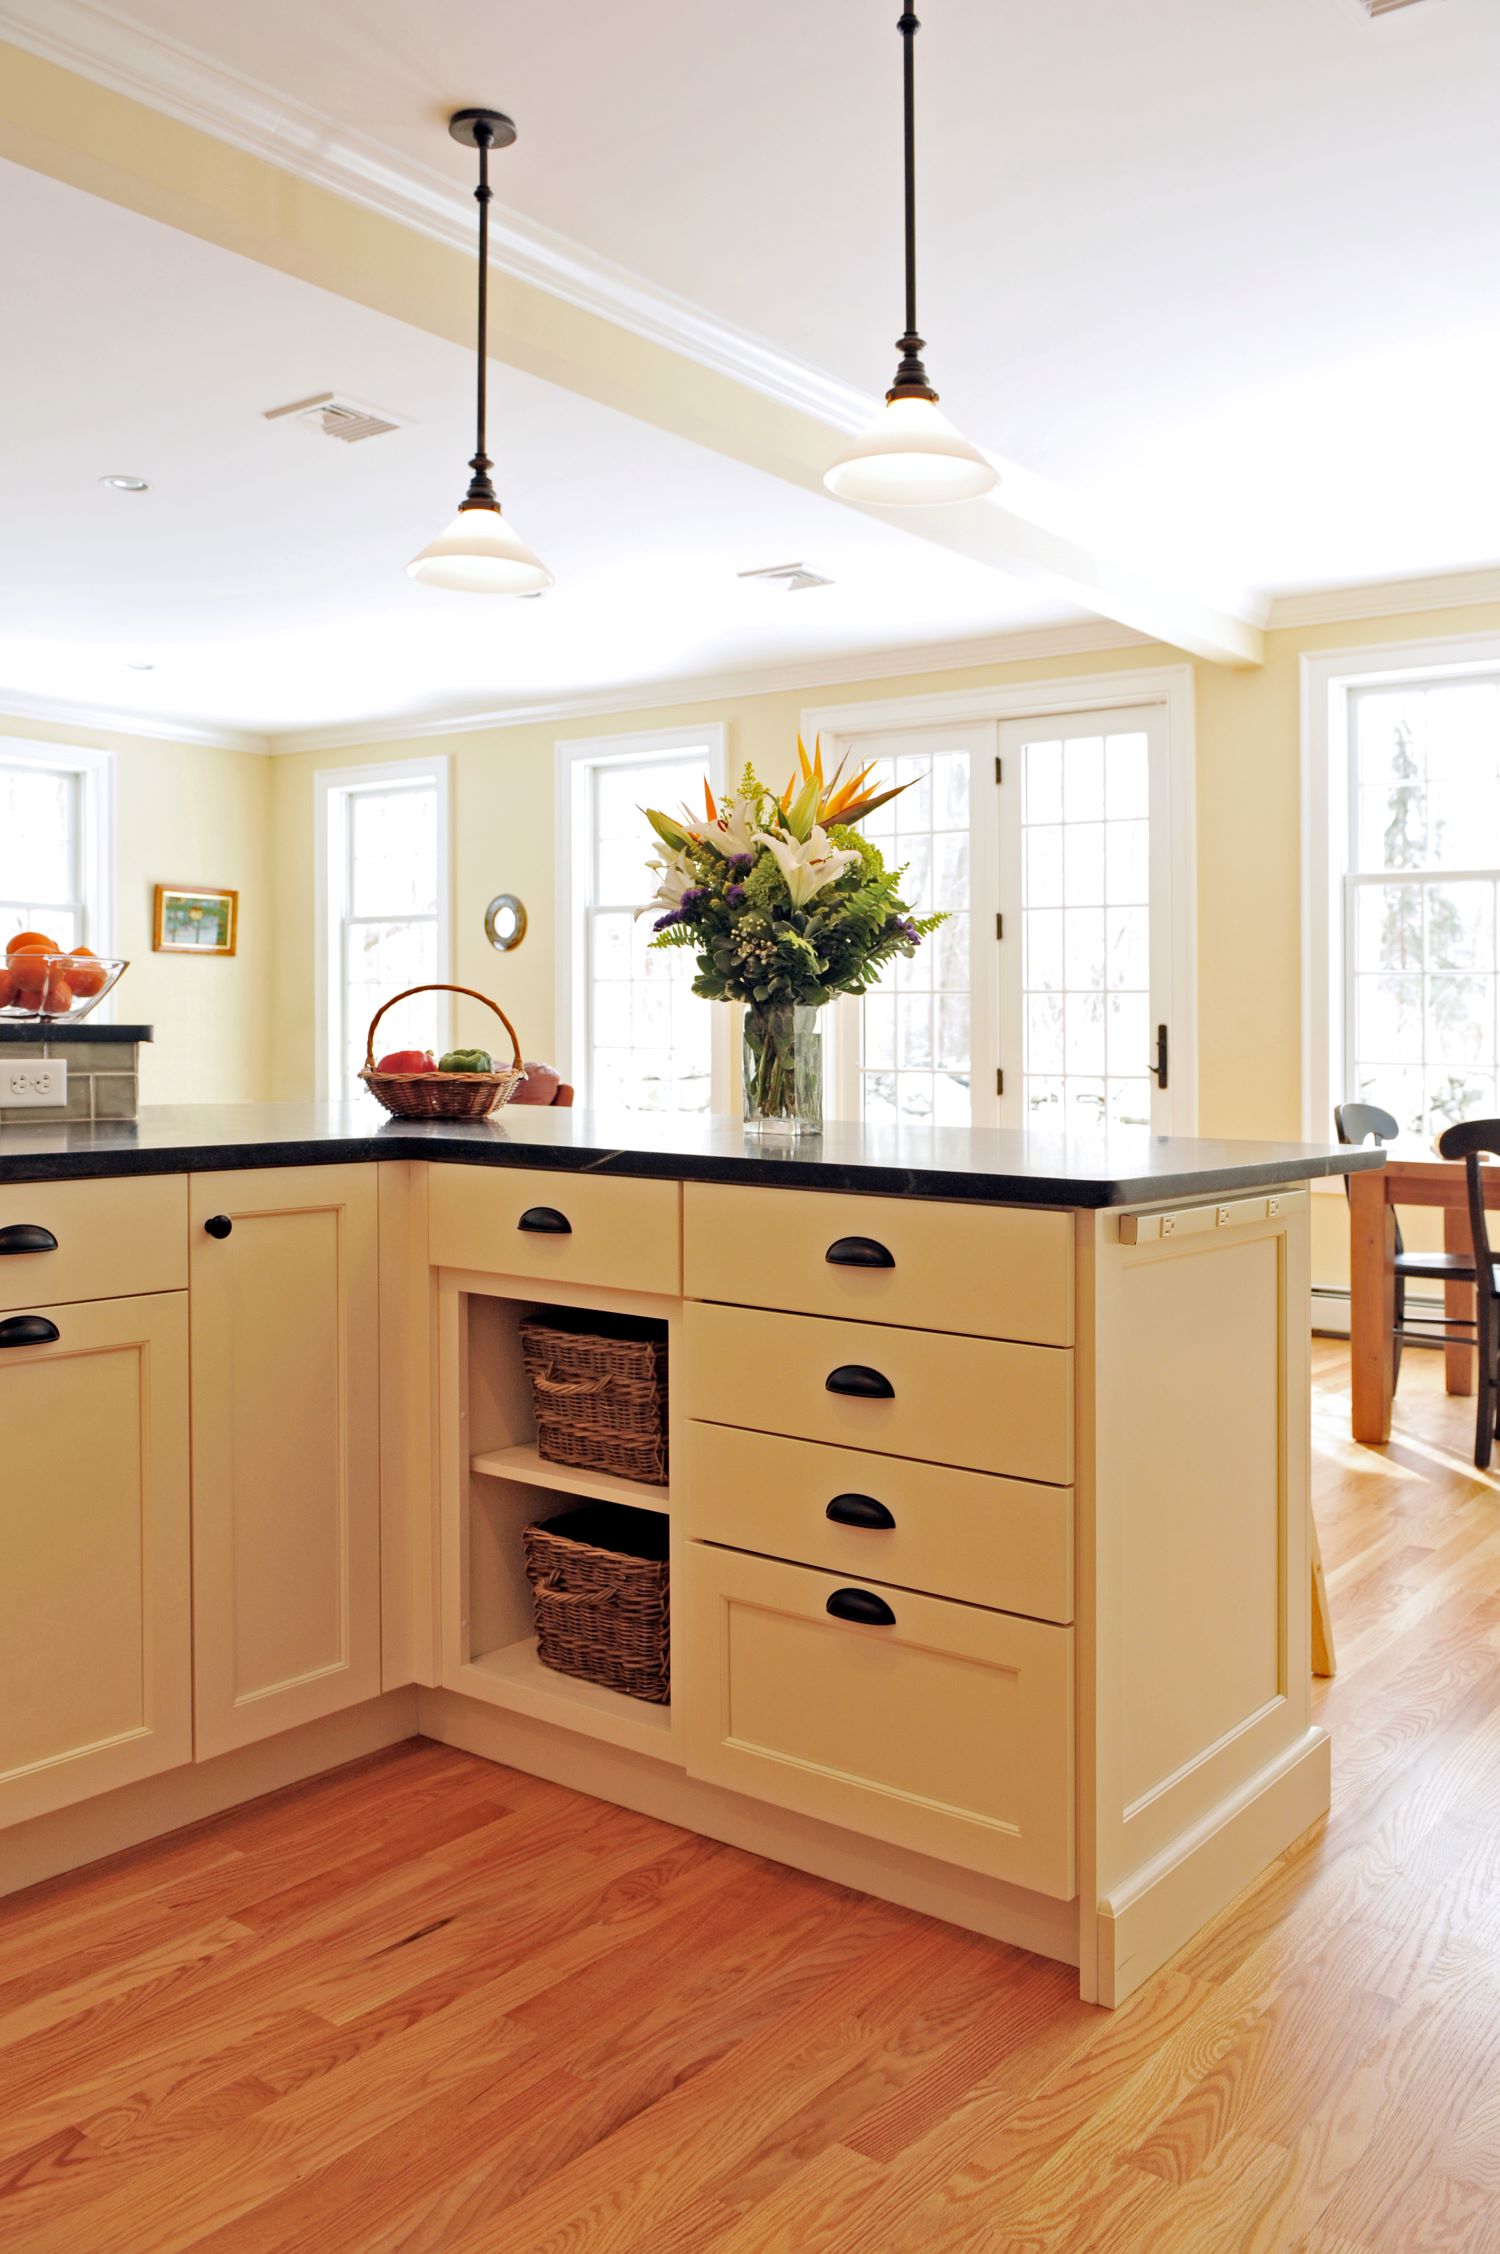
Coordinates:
[505,1485]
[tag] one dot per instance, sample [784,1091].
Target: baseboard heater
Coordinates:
[1330,1313]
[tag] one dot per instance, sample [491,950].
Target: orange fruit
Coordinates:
[29,971]
[57,998]
[7,988]
[32,941]
[85,977]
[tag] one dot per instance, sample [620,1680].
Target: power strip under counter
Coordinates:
[1198,1220]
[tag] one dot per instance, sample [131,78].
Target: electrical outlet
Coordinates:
[33,1080]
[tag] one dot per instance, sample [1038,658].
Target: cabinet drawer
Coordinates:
[511,1221]
[112,1239]
[993,1271]
[943,1728]
[998,1542]
[983,1404]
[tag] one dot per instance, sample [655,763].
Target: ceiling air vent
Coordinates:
[332,415]
[792,576]
[1373,8]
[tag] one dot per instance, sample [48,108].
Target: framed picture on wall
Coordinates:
[195,920]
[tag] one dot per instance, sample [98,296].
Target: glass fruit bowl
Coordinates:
[50,988]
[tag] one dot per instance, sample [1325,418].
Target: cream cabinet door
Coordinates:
[95,1634]
[286,1448]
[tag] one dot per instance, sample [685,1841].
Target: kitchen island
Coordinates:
[271,1458]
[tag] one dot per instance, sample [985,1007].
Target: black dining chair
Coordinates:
[1364,1123]
[1466,1141]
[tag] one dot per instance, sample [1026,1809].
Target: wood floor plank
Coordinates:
[431,2006]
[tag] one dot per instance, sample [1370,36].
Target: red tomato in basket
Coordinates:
[407,1060]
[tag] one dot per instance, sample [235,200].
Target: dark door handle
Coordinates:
[860,1510]
[858,1252]
[218,1225]
[28,1330]
[545,1221]
[27,1236]
[860,1383]
[1158,1067]
[860,1605]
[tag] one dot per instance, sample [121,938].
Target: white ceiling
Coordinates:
[1228,276]
[263,575]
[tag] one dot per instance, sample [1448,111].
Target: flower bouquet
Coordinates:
[787,906]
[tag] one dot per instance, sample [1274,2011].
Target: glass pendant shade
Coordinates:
[479,554]
[910,454]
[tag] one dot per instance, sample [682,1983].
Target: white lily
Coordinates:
[810,863]
[737,829]
[675,875]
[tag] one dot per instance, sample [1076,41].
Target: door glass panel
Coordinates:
[918,1035]
[1086,929]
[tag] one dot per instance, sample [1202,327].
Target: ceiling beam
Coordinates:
[94,137]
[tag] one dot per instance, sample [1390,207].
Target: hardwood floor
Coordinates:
[428,2006]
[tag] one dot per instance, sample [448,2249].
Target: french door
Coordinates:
[1056,996]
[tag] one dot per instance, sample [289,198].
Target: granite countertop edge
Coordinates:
[979,1167]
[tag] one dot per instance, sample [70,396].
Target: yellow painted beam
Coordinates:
[55,122]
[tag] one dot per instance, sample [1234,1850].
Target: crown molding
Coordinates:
[1387,598]
[868,665]
[54,712]
[91,40]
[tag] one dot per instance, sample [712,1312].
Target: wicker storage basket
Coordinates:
[441,1095]
[599,1594]
[599,1389]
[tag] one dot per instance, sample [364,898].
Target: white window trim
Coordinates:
[1328,677]
[575,756]
[96,771]
[332,782]
[1170,687]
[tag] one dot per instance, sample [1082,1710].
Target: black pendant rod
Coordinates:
[911,377]
[481,493]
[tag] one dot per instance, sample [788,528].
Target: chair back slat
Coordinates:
[1358,1123]
[1466,1141]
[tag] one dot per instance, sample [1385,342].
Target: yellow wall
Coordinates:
[188,815]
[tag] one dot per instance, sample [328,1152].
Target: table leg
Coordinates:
[1458,1302]
[1372,1305]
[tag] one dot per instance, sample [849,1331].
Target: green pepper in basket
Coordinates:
[467,1060]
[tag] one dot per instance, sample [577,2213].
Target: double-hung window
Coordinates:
[634,1035]
[383,862]
[1417,1008]
[54,843]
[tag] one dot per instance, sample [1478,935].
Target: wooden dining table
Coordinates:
[1411,1175]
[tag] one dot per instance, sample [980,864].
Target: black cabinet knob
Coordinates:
[28,1330]
[27,1236]
[861,1606]
[860,1510]
[859,1383]
[545,1221]
[218,1225]
[858,1252]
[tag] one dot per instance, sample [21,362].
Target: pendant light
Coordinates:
[479,554]
[911,454]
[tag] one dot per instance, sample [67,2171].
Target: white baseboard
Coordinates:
[1330,1313]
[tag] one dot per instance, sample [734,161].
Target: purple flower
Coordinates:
[693,898]
[742,863]
[908,930]
[735,895]
[672,916]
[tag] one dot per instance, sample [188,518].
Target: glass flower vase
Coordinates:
[783,1069]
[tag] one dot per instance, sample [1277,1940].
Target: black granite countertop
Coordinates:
[29,1030]
[985,1165]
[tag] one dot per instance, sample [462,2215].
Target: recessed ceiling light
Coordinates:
[139,665]
[127,484]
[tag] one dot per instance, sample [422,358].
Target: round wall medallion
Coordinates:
[505,922]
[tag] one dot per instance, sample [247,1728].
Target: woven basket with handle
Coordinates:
[599,1390]
[441,1095]
[600,1598]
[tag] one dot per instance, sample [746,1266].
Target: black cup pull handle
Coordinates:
[858,1252]
[218,1225]
[859,1383]
[27,1236]
[545,1221]
[28,1330]
[862,1607]
[860,1510]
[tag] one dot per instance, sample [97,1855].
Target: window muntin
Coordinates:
[385,895]
[1422,900]
[648,1039]
[42,852]
[917,1040]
